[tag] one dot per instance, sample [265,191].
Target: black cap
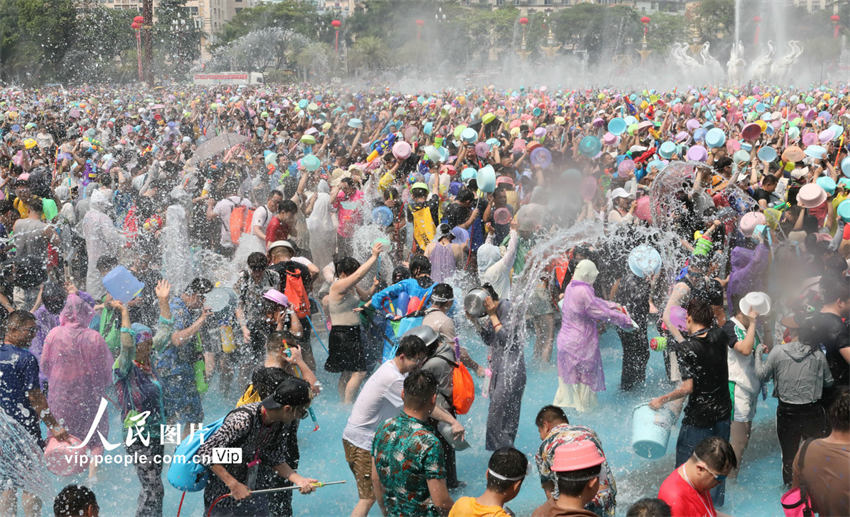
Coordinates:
[289,392]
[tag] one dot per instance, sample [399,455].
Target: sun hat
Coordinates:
[749,221]
[767,154]
[276,296]
[751,132]
[826,183]
[644,260]
[843,210]
[578,455]
[667,150]
[793,153]
[619,192]
[617,126]
[815,151]
[756,301]
[715,137]
[401,150]
[697,153]
[692,124]
[468,174]
[642,211]
[811,195]
[589,146]
[609,138]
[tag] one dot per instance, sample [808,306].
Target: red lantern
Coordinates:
[523,21]
[835,19]
[336,24]
[139,19]
[757,18]
[420,22]
[645,20]
[136,26]
[419,25]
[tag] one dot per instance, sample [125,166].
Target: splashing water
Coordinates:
[22,460]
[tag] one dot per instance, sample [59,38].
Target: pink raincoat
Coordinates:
[78,367]
[579,359]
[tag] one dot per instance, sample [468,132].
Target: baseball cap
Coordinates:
[290,392]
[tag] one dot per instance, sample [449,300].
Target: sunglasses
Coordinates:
[717,477]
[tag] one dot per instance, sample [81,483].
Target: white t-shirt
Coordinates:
[262,218]
[379,400]
[223,209]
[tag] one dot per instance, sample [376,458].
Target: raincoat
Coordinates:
[495,269]
[579,359]
[78,367]
[322,230]
[101,237]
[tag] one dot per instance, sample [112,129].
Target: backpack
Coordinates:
[463,387]
[29,272]
[296,293]
[240,222]
[249,396]
[185,474]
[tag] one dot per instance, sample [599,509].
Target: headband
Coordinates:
[504,478]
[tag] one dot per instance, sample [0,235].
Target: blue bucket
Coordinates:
[122,285]
[382,215]
[651,431]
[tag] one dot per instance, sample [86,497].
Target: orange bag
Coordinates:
[240,222]
[463,389]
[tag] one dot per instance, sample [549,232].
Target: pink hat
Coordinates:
[642,209]
[609,139]
[578,455]
[749,222]
[277,297]
[692,124]
[811,195]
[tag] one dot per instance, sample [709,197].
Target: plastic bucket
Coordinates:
[651,431]
[122,285]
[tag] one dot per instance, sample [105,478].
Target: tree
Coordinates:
[715,20]
[257,51]
[369,53]
[102,35]
[298,17]
[176,39]
[34,36]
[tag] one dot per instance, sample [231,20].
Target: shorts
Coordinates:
[345,350]
[743,403]
[360,462]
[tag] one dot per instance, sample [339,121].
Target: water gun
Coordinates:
[702,245]
[199,368]
[658,343]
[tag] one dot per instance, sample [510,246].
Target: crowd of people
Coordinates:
[159,242]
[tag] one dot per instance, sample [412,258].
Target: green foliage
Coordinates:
[101,35]
[34,36]
[715,20]
[297,16]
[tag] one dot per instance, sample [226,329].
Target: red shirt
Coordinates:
[276,231]
[683,499]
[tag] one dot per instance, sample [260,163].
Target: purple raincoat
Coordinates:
[78,366]
[579,359]
[748,270]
